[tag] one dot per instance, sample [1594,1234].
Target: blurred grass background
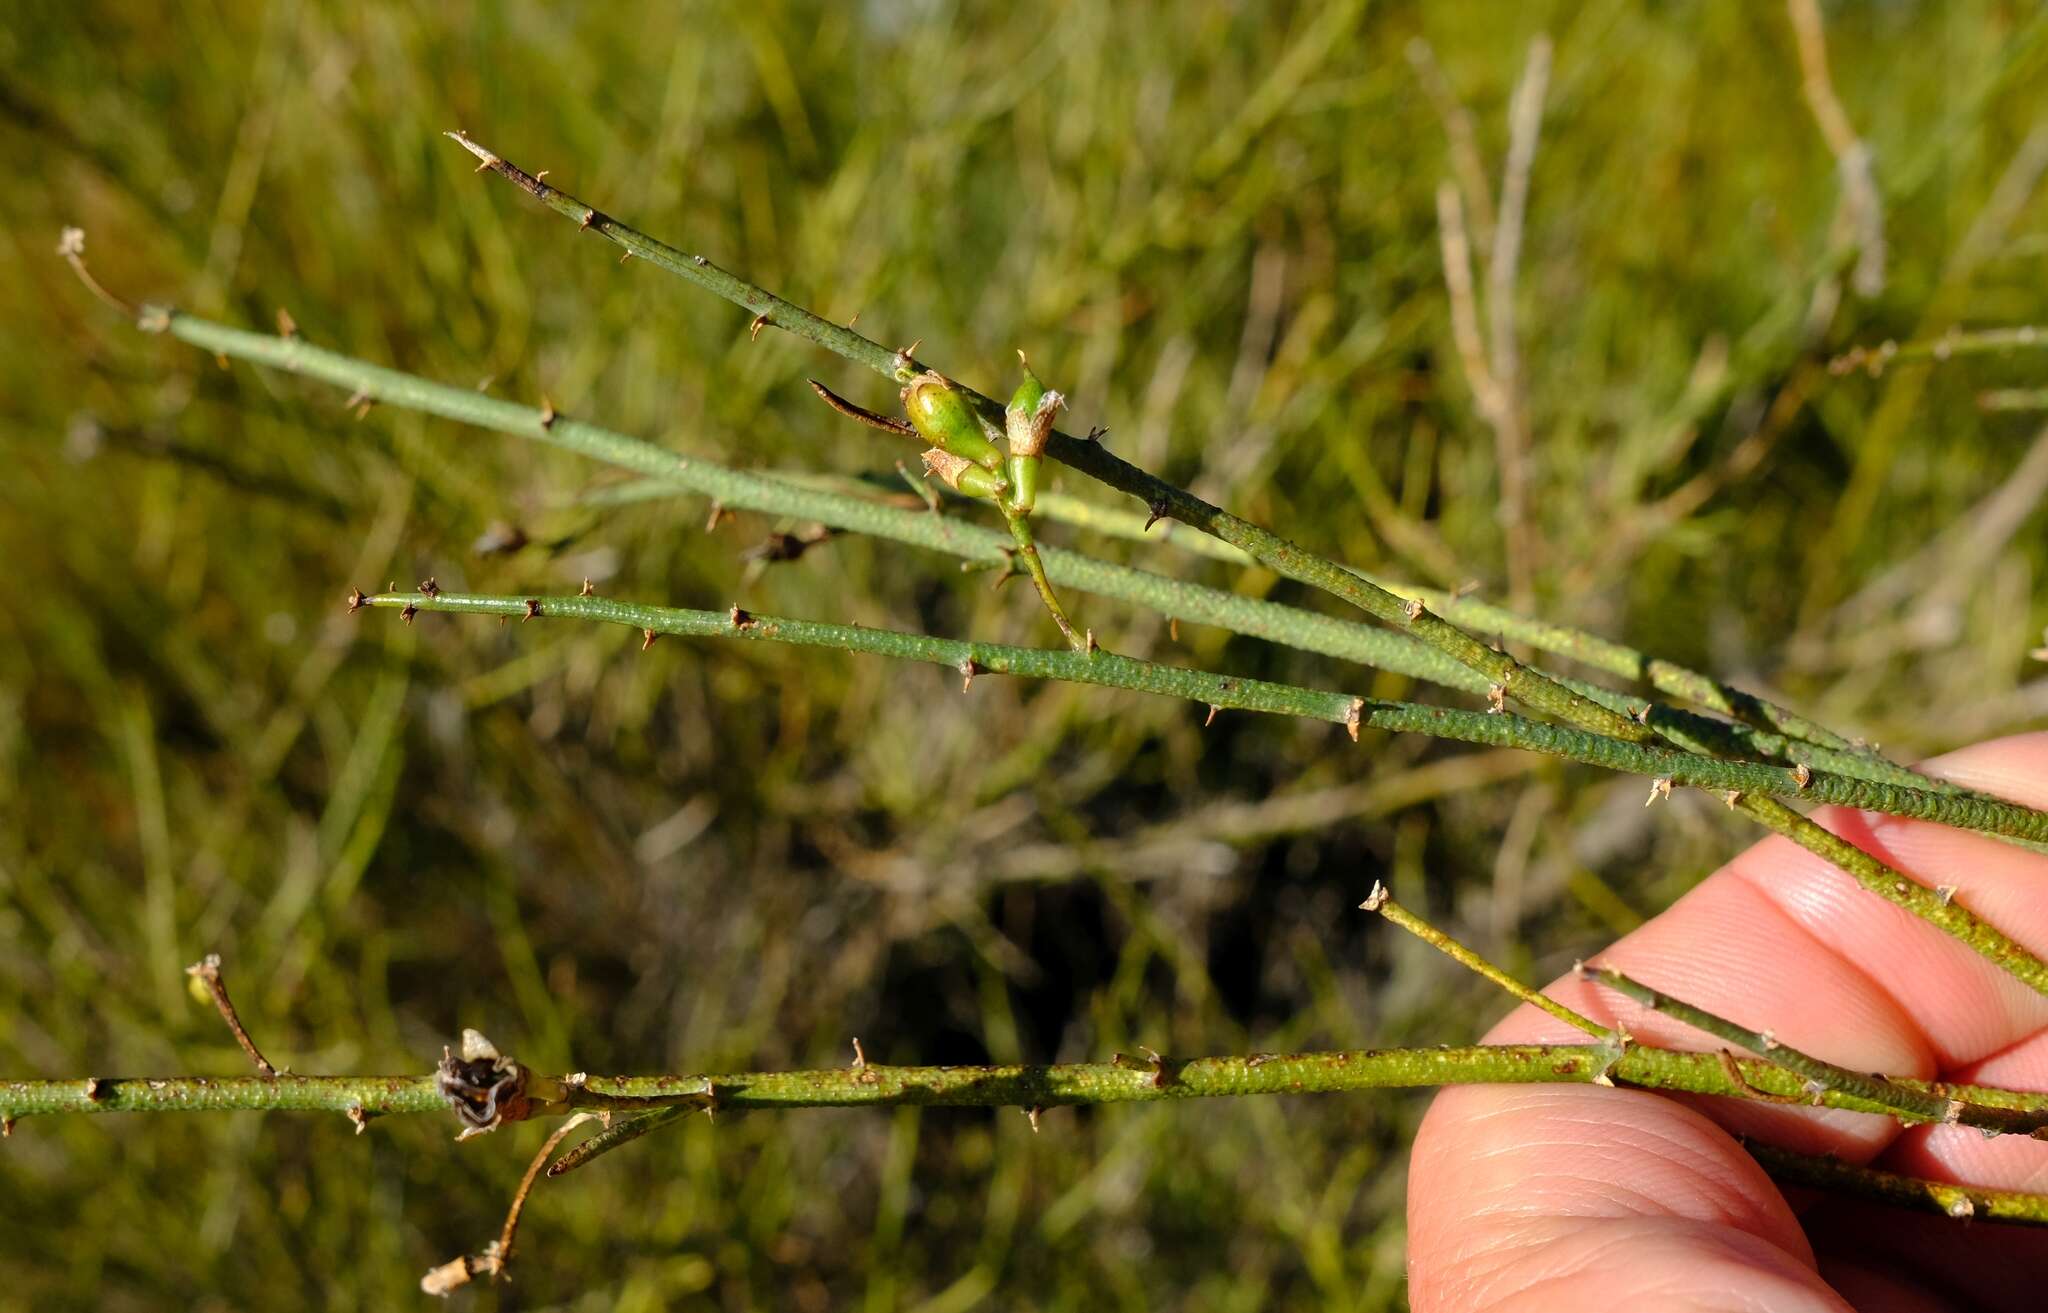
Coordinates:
[714,857]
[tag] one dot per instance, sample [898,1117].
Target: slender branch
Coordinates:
[207,972]
[669,473]
[1526,685]
[1937,906]
[1911,1104]
[1960,1202]
[1861,203]
[1163,500]
[1383,902]
[293,353]
[1794,739]
[1102,668]
[1629,663]
[1018,1086]
[1235,693]
[618,1133]
[1955,342]
[2013,399]
[496,1257]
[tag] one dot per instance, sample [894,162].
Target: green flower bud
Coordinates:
[1028,424]
[943,418]
[964,476]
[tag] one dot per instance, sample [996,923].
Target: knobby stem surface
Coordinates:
[1122,1080]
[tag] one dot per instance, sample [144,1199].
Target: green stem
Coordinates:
[1619,659]
[1025,1086]
[1955,342]
[1794,733]
[1308,631]
[2013,399]
[669,473]
[1235,693]
[1959,1202]
[1383,902]
[1920,1105]
[1102,668]
[1034,566]
[1937,907]
[1529,686]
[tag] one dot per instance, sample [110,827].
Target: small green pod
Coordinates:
[1028,426]
[964,476]
[943,418]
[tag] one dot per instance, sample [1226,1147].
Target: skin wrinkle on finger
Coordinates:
[1573,1264]
[1648,1151]
[1752,942]
[1640,1145]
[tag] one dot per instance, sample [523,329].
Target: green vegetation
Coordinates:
[1221,239]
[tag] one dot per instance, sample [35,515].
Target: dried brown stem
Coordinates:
[497,1256]
[207,972]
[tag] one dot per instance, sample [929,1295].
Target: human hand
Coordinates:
[1576,1197]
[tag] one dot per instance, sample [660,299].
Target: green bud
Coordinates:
[1027,426]
[964,476]
[943,418]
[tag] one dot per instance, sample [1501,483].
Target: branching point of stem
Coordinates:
[1382,902]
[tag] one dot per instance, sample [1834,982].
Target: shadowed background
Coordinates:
[1216,229]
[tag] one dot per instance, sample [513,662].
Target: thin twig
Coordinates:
[1948,346]
[1991,816]
[71,247]
[496,1257]
[1383,902]
[734,488]
[1936,908]
[2013,399]
[1861,202]
[1959,1202]
[1530,687]
[611,1137]
[207,971]
[1018,1086]
[1910,1104]
[1460,135]
[1511,429]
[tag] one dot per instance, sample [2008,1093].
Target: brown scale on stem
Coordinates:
[861,414]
